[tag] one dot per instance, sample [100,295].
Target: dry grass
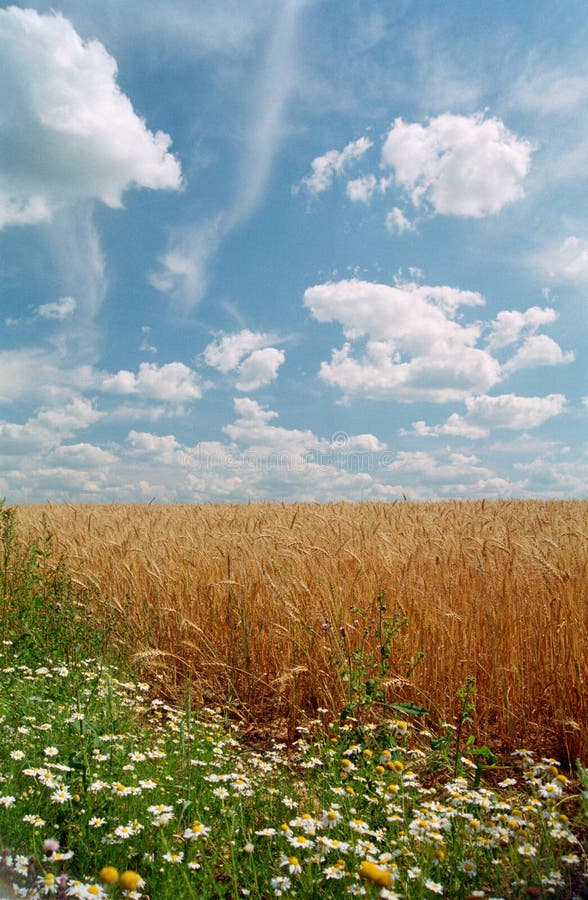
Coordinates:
[239,597]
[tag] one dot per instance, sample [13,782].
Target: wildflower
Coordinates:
[434,886]
[174,857]
[121,790]
[93,891]
[281,884]
[7,801]
[468,867]
[50,846]
[148,784]
[330,817]
[294,867]
[162,814]
[300,841]
[377,875]
[36,821]
[336,871]
[48,883]
[61,795]
[17,754]
[108,875]
[130,881]
[551,789]
[196,830]
[527,850]
[51,751]
[96,822]
[221,793]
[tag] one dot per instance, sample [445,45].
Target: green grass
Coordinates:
[94,760]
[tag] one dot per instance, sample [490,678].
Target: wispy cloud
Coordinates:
[275,84]
[186,266]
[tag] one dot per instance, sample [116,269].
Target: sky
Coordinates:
[293,250]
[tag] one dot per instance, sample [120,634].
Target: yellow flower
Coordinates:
[130,881]
[371,872]
[108,875]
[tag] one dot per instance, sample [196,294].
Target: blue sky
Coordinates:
[293,250]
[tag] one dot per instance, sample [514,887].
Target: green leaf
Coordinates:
[410,709]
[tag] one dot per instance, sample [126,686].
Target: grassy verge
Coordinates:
[108,791]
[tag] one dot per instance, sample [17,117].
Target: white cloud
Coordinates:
[416,350]
[551,478]
[185,267]
[32,373]
[276,81]
[259,368]
[254,431]
[173,383]
[565,260]
[61,309]
[80,455]
[538,350]
[247,353]
[164,448]
[455,425]
[509,325]
[361,190]
[48,427]
[325,168]
[78,413]
[60,94]
[551,91]
[484,413]
[461,165]
[397,222]
[184,272]
[226,352]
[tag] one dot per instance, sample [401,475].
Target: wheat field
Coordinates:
[274,608]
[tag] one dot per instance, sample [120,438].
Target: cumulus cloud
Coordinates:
[259,368]
[61,309]
[362,189]
[485,413]
[253,429]
[538,350]
[32,373]
[173,383]
[415,349]
[325,168]
[84,454]
[226,352]
[460,165]
[59,93]
[509,325]
[247,353]
[48,427]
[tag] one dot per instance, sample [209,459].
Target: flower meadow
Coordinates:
[108,789]
[100,777]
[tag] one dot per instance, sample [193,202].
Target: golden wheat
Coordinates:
[259,604]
